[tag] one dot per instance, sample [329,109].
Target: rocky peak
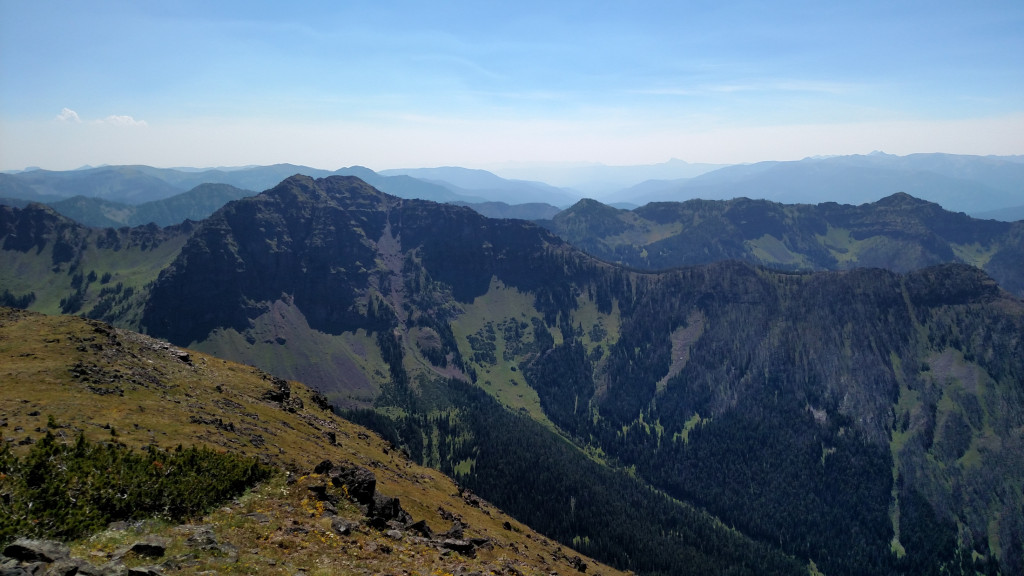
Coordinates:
[903,200]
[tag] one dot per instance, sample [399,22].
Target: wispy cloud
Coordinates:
[116,120]
[68,115]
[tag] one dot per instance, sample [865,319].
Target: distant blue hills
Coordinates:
[958,183]
[989,187]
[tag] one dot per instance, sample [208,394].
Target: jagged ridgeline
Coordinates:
[862,421]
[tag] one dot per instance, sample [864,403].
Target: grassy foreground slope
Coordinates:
[72,376]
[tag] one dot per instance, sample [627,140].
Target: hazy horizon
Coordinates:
[485,86]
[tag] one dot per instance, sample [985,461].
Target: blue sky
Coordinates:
[480,84]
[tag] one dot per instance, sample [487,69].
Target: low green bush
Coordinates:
[65,491]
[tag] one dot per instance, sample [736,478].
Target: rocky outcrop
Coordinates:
[25,557]
[28,550]
[281,393]
[357,483]
[383,513]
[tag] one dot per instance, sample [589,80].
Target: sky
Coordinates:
[483,84]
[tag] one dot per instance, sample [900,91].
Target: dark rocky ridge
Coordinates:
[326,244]
[37,225]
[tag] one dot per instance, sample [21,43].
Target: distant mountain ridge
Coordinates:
[486,184]
[527,211]
[141,184]
[958,183]
[196,204]
[599,180]
[973,184]
[899,232]
[1008,214]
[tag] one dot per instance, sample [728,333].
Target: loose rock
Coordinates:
[341,527]
[461,546]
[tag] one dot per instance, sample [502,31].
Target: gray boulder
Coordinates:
[30,550]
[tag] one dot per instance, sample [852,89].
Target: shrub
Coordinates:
[65,491]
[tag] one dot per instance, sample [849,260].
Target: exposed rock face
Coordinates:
[317,242]
[386,509]
[36,225]
[281,393]
[203,538]
[384,513]
[322,402]
[455,532]
[341,527]
[29,550]
[309,239]
[420,527]
[26,557]
[578,563]
[835,360]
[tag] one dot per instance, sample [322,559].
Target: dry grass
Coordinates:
[117,385]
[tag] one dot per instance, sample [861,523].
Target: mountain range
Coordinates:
[985,186]
[599,180]
[140,184]
[957,183]
[713,418]
[196,204]
[483,183]
[527,211]
[899,233]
